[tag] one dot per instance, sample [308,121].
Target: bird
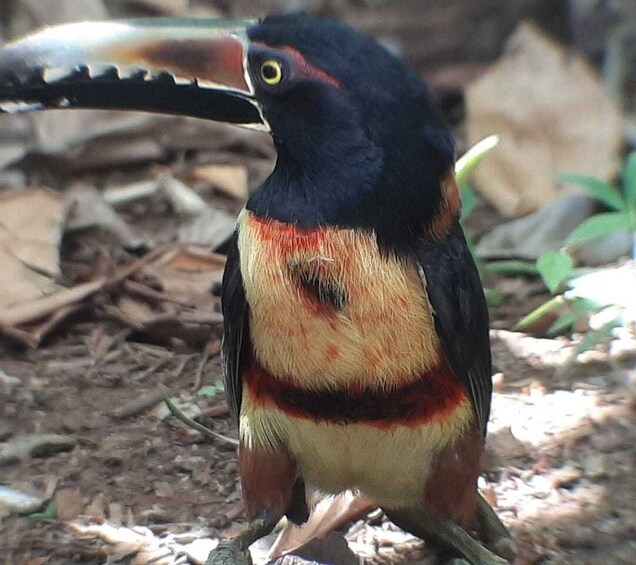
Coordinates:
[356,346]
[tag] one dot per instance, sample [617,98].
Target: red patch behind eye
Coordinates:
[304,69]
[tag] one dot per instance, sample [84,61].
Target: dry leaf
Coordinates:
[96,510]
[328,515]
[136,311]
[184,200]
[553,116]
[187,275]
[69,504]
[229,179]
[36,309]
[31,223]
[209,228]
[89,209]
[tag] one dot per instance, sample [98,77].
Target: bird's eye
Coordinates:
[272,72]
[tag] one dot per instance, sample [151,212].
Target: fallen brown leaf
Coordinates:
[68,503]
[228,179]
[187,275]
[328,515]
[30,233]
[552,114]
[39,308]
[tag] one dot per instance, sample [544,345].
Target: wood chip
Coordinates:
[34,445]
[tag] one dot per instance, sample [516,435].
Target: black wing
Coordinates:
[460,312]
[235,329]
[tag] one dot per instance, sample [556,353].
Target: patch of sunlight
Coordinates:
[537,417]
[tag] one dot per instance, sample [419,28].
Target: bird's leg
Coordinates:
[447,535]
[492,531]
[271,487]
[236,551]
[455,538]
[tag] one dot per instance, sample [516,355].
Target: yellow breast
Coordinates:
[382,335]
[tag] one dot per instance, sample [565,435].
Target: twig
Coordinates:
[154,368]
[195,425]
[145,291]
[141,262]
[181,366]
[212,349]
[198,374]
[139,405]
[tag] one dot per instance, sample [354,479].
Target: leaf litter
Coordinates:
[120,312]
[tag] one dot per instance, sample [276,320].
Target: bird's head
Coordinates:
[360,142]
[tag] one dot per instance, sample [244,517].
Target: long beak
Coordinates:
[189,67]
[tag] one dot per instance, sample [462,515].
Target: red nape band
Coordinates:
[288,237]
[435,393]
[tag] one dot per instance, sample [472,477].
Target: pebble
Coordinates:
[13,501]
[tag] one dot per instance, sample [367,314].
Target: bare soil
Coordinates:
[561,465]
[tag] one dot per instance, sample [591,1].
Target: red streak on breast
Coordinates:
[432,394]
[332,352]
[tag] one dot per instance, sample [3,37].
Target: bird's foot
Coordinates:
[457,540]
[493,532]
[451,538]
[229,553]
[236,551]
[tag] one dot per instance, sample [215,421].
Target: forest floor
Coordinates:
[93,468]
[133,485]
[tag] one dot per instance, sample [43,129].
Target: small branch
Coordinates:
[195,425]
[139,405]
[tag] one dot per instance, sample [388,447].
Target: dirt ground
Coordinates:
[560,470]
[118,480]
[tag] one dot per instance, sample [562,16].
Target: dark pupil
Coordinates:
[270,71]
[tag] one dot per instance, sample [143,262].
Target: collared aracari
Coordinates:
[356,348]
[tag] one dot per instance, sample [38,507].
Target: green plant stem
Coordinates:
[539,312]
[195,425]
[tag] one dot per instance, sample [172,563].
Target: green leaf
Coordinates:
[494,298]
[598,189]
[562,323]
[511,267]
[469,200]
[598,226]
[49,513]
[594,338]
[467,163]
[555,267]
[210,392]
[585,306]
[629,180]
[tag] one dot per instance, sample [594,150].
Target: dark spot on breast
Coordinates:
[326,292]
[318,281]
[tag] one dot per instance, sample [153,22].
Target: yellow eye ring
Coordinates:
[271,72]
